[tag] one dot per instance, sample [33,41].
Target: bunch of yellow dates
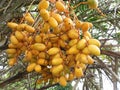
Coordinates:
[57,47]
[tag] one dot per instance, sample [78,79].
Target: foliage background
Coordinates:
[106,29]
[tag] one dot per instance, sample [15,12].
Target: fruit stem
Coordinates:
[100,12]
[27,10]
[79,4]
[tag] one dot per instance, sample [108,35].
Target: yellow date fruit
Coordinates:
[31,67]
[60,6]
[37,68]
[62,81]
[53,51]
[39,46]
[43,4]
[57,61]
[53,23]
[94,50]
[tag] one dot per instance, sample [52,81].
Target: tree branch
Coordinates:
[15,78]
[108,69]
[110,53]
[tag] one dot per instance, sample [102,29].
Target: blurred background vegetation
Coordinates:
[106,29]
